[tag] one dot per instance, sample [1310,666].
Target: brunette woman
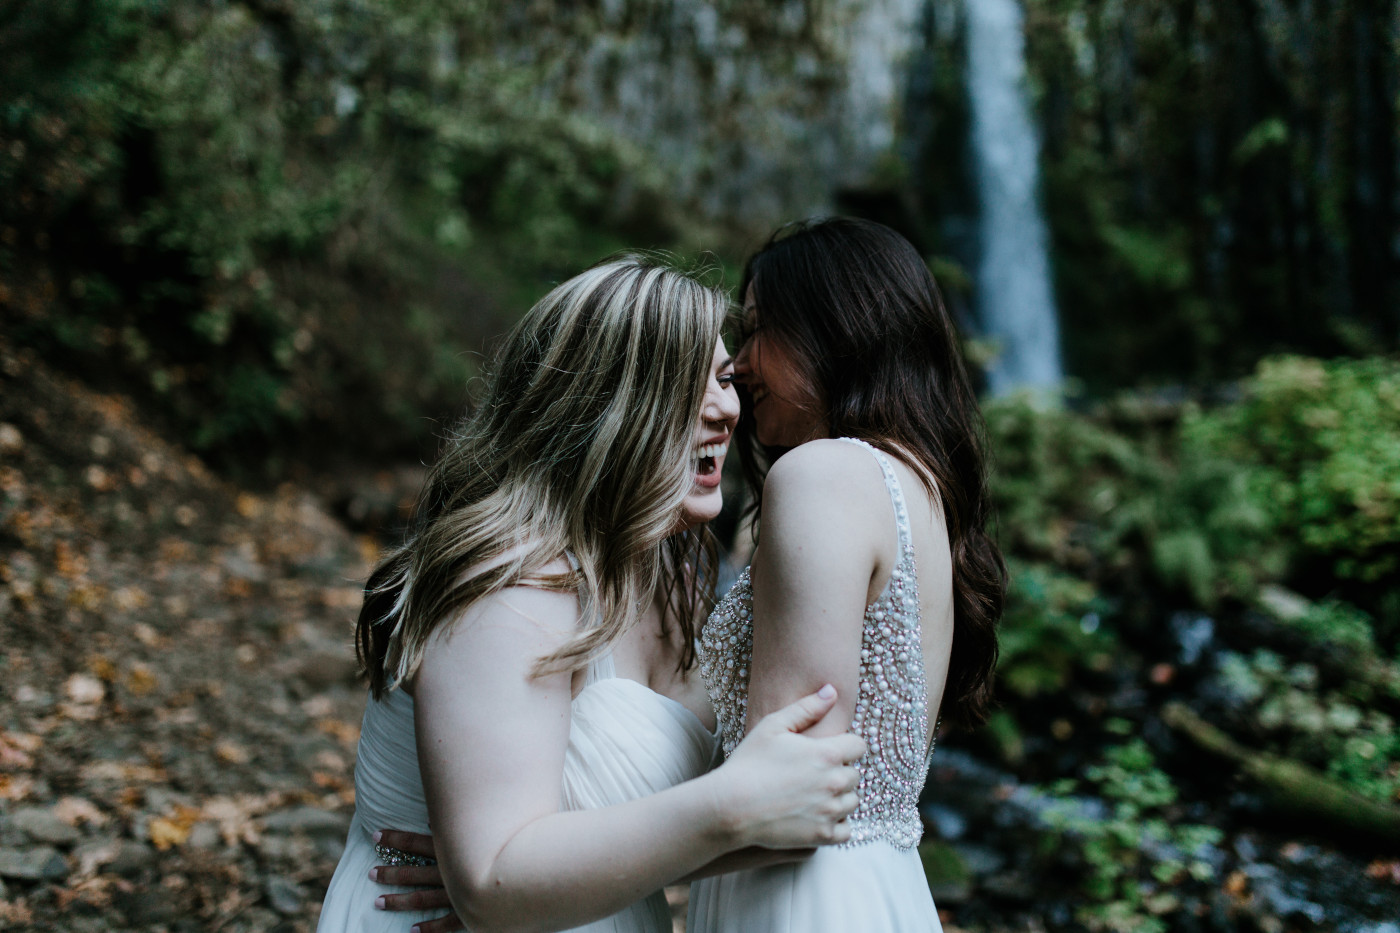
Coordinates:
[873,569]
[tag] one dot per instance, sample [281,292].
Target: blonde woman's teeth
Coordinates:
[711,450]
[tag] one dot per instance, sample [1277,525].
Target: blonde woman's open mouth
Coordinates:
[709,463]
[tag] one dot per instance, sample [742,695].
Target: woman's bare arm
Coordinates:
[491,743]
[826,517]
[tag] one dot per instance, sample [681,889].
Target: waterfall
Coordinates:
[1015,298]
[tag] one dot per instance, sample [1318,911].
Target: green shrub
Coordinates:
[1293,713]
[1322,442]
[1300,478]
[1051,629]
[261,216]
[1140,850]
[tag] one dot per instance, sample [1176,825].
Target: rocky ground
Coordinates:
[178,709]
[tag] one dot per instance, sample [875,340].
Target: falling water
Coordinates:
[1015,299]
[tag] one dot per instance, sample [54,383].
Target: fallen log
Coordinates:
[1290,786]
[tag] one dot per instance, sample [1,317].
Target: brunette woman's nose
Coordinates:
[743,360]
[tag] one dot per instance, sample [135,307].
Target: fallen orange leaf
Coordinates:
[173,830]
[102,668]
[140,681]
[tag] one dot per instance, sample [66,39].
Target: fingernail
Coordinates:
[413,929]
[378,834]
[374,874]
[827,692]
[379,903]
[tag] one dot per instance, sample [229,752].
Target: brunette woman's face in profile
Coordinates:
[785,407]
[718,415]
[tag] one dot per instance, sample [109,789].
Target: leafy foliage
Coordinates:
[1137,850]
[262,214]
[1291,709]
[1323,443]
[1297,478]
[1114,519]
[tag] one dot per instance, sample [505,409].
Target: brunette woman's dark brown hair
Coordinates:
[860,314]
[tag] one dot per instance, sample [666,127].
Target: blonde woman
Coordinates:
[529,648]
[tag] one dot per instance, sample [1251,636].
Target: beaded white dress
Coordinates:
[625,742]
[875,882]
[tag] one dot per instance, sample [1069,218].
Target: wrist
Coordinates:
[725,819]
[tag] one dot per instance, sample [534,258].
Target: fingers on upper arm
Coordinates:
[846,748]
[409,876]
[431,899]
[442,925]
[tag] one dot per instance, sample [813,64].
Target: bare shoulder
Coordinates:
[837,473]
[533,617]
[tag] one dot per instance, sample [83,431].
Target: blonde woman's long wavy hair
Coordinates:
[582,446]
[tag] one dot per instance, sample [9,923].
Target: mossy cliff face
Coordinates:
[753,113]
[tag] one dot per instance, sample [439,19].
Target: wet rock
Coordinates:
[1010,885]
[242,563]
[33,863]
[330,848]
[203,836]
[41,824]
[325,669]
[275,848]
[132,858]
[307,821]
[1193,633]
[1274,895]
[283,895]
[146,909]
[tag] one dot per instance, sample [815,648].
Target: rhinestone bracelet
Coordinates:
[399,858]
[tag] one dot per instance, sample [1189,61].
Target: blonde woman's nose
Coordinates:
[722,405]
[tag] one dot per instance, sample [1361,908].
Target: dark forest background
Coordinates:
[285,233]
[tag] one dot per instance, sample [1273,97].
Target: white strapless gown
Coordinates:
[625,742]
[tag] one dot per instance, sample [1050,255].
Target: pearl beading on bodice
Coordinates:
[891,713]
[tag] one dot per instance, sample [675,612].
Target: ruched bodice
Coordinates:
[625,742]
[387,753]
[649,741]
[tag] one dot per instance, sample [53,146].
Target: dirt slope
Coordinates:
[178,712]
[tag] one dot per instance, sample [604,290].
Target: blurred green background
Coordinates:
[288,229]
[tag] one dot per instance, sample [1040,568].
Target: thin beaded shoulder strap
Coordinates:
[906,540]
[896,491]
